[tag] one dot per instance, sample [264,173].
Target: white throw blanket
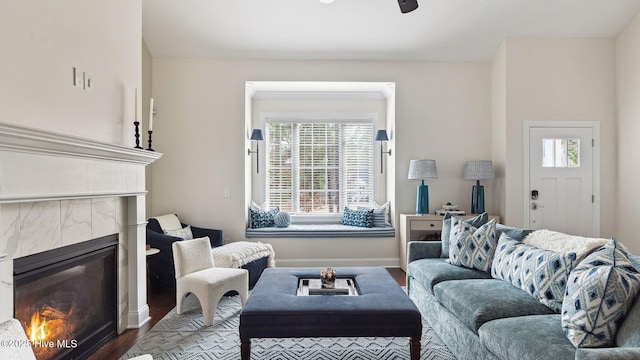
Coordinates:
[240,253]
[564,243]
[169,222]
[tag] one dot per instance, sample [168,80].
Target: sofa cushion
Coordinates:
[600,292]
[470,247]
[628,334]
[541,273]
[476,222]
[432,271]
[527,338]
[475,302]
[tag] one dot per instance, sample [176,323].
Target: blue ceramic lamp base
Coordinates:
[422,199]
[477,198]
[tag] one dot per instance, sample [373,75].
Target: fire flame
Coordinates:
[37,330]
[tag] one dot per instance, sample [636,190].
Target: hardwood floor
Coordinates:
[159,305]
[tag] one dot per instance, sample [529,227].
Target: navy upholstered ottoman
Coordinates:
[382,308]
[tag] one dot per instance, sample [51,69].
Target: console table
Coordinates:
[422,227]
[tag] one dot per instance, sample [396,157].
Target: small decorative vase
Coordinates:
[328,278]
[328,283]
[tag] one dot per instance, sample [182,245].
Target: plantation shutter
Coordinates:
[280,166]
[319,167]
[358,165]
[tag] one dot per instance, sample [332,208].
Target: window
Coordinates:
[319,167]
[561,153]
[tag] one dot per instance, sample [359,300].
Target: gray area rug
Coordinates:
[184,336]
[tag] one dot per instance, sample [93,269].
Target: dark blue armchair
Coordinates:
[161,268]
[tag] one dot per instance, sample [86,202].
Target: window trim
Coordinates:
[310,117]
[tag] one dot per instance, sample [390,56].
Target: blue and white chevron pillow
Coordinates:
[361,218]
[541,273]
[601,291]
[470,247]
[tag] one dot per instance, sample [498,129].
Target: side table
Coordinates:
[150,252]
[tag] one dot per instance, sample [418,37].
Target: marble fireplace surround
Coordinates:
[57,190]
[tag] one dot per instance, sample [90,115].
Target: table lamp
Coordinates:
[421,170]
[478,170]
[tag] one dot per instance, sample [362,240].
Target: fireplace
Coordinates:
[66,298]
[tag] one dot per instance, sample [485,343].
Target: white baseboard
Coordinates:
[342,262]
[138,318]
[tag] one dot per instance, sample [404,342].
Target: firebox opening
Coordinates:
[65,298]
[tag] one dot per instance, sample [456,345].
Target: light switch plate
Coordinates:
[77,78]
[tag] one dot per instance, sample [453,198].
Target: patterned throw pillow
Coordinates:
[282,219]
[381,214]
[470,247]
[361,218]
[601,291]
[476,222]
[184,233]
[261,218]
[541,273]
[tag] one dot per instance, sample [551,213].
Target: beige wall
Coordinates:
[147,80]
[499,130]
[628,132]
[43,40]
[563,80]
[443,112]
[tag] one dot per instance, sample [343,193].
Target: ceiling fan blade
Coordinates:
[407,5]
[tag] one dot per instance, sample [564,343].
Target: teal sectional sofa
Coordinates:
[481,317]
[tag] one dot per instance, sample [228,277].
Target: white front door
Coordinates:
[561,187]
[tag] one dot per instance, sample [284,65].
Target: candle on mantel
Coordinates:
[151,115]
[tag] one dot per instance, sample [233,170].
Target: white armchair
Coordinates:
[196,273]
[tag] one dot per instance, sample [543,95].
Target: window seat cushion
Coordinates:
[320,231]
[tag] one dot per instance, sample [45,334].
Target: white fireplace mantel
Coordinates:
[58,189]
[37,165]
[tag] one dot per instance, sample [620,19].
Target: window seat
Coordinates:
[321,231]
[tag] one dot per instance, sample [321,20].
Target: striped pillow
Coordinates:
[381,214]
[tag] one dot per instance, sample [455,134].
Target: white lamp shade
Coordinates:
[422,169]
[478,170]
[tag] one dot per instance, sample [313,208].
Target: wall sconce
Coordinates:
[256,135]
[381,136]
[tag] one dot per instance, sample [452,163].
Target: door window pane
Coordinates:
[561,153]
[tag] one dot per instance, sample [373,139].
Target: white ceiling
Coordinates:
[439,30]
